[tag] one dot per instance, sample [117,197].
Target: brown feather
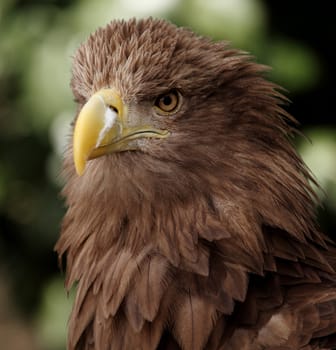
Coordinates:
[205,239]
[151,283]
[193,322]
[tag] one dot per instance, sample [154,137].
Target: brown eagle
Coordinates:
[191,219]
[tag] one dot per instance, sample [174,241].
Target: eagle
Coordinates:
[191,219]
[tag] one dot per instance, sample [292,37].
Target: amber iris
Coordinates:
[167,103]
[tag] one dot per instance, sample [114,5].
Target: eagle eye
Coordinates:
[167,103]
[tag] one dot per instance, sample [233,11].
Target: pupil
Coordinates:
[167,100]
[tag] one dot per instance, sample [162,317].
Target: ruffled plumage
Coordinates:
[204,240]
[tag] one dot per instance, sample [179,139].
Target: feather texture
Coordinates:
[193,322]
[205,239]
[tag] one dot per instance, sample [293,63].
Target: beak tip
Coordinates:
[80,172]
[80,167]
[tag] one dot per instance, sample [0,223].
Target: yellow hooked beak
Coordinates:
[101,128]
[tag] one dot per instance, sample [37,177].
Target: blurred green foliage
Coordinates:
[37,40]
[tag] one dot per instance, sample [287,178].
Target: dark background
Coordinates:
[314,26]
[37,39]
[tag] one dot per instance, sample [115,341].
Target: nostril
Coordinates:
[113,108]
